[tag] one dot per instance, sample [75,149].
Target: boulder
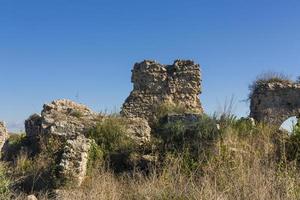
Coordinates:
[139,130]
[63,118]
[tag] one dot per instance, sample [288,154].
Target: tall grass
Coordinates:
[199,161]
[246,164]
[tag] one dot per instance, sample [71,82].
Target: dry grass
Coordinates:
[245,166]
[242,162]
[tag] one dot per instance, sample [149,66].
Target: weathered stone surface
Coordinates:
[155,84]
[75,158]
[62,118]
[3,134]
[139,130]
[275,102]
[69,122]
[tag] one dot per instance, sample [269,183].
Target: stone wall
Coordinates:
[69,123]
[155,84]
[3,134]
[275,102]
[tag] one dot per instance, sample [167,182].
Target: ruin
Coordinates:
[3,134]
[155,84]
[69,123]
[274,102]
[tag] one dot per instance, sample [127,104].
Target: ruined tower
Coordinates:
[155,84]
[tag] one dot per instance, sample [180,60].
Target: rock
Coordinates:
[68,123]
[3,135]
[275,102]
[31,197]
[33,126]
[74,159]
[155,84]
[61,118]
[139,130]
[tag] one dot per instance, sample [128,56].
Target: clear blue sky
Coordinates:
[84,49]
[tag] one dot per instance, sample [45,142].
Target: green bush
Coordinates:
[293,144]
[110,135]
[76,113]
[191,141]
[95,157]
[167,108]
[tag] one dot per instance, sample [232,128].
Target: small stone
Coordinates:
[31,197]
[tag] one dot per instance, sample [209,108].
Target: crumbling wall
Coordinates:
[275,102]
[3,135]
[69,123]
[154,84]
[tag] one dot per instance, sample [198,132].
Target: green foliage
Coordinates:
[296,128]
[4,182]
[76,113]
[191,141]
[14,145]
[95,157]
[293,144]
[169,108]
[110,135]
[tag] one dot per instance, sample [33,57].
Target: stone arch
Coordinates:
[289,123]
[273,103]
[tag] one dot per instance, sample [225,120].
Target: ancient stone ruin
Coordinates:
[69,123]
[3,135]
[275,102]
[155,84]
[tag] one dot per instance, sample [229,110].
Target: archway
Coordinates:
[289,124]
[275,102]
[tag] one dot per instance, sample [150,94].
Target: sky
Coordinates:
[84,50]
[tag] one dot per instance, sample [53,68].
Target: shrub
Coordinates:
[293,144]
[95,157]
[191,141]
[110,135]
[14,145]
[163,109]
[76,113]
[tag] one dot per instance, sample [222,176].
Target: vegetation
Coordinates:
[76,113]
[243,162]
[220,157]
[110,135]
